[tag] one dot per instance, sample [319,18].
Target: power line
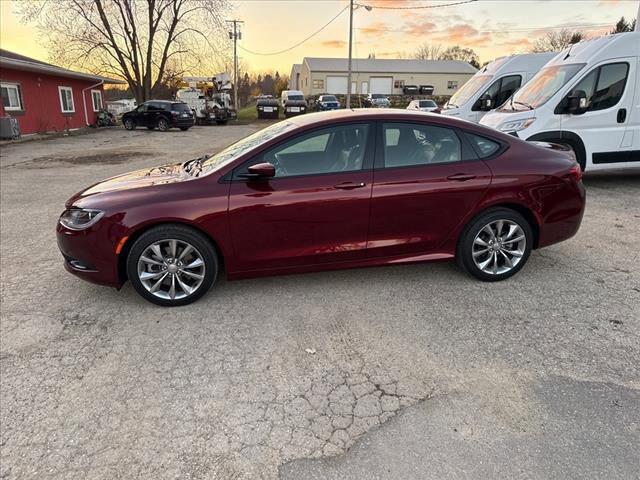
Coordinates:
[528,29]
[414,7]
[300,42]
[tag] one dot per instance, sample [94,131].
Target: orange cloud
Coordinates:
[374,29]
[464,34]
[334,44]
[419,28]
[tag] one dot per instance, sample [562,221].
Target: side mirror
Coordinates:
[259,171]
[485,102]
[577,102]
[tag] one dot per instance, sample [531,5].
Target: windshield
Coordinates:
[378,95]
[542,87]
[468,90]
[328,98]
[254,140]
[427,103]
[295,97]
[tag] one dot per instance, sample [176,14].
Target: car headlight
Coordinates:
[80,218]
[516,125]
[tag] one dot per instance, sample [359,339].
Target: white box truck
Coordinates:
[587,98]
[493,84]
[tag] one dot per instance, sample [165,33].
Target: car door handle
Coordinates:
[350,185]
[622,115]
[461,177]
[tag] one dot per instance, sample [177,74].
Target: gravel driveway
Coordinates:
[424,371]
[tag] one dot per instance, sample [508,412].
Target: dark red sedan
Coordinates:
[323,191]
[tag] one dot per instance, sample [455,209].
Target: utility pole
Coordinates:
[637,29]
[235,35]
[350,41]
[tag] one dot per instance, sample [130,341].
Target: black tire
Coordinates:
[163,124]
[184,129]
[464,254]
[184,234]
[129,124]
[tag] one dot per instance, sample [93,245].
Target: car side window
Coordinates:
[329,150]
[484,146]
[142,108]
[412,144]
[509,85]
[603,86]
[611,83]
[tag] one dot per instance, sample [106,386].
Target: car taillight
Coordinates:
[576,172]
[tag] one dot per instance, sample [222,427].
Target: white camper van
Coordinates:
[493,84]
[588,98]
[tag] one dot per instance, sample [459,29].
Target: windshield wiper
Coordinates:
[522,103]
[194,167]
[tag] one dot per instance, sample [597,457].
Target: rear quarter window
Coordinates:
[483,145]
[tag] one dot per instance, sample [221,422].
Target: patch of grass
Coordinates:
[248,114]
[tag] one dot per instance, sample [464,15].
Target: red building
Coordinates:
[47,98]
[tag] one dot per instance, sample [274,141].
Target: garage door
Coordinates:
[336,85]
[381,85]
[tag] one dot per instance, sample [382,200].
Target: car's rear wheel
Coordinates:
[172,265]
[163,125]
[495,245]
[129,124]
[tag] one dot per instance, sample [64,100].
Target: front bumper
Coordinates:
[290,111]
[91,254]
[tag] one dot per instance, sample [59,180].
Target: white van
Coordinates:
[293,103]
[588,98]
[493,84]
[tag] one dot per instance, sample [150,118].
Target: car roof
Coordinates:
[392,114]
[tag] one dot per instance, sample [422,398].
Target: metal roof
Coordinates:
[20,62]
[385,65]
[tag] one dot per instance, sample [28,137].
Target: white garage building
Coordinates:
[388,76]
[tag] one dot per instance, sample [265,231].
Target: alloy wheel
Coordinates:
[171,269]
[499,247]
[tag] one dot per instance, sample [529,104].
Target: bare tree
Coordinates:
[137,40]
[464,54]
[428,51]
[557,41]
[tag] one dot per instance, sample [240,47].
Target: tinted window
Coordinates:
[610,87]
[427,103]
[484,146]
[603,86]
[180,107]
[336,149]
[415,144]
[508,87]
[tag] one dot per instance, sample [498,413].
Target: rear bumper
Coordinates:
[90,254]
[564,218]
[182,122]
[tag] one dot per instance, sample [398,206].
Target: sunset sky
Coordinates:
[493,28]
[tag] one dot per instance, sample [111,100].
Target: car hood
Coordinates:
[494,118]
[162,175]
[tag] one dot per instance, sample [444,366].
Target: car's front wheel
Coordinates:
[495,245]
[172,265]
[129,124]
